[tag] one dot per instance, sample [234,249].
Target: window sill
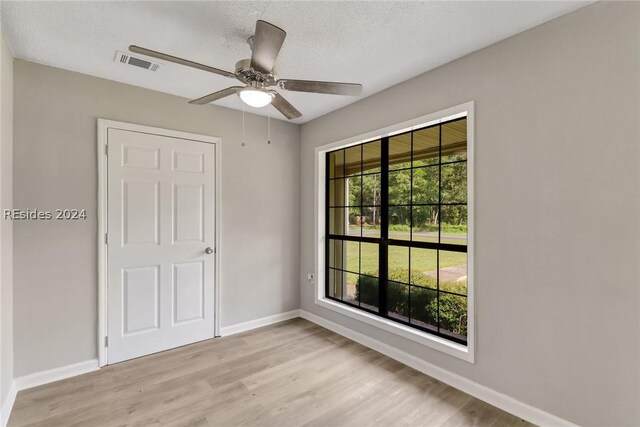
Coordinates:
[428,340]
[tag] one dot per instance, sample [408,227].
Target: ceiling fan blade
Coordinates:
[333,88]
[266,45]
[175,59]
[282,105]
[216,95]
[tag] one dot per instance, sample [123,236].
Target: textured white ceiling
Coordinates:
[378,44]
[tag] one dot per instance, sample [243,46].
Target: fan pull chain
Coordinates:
[243,140]
[268,125]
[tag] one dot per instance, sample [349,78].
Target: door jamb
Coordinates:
[103,126]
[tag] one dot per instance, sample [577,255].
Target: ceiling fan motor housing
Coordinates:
[246,74]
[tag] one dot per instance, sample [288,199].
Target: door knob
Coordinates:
[209,250]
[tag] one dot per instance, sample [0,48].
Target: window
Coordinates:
[396,226]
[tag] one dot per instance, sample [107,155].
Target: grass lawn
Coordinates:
[422,260]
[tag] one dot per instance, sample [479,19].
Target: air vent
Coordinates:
[125,58]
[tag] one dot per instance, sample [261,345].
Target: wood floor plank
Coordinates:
[292,373]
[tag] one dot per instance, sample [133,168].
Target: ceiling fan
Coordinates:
[258,74]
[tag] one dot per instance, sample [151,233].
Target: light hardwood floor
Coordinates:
[293,373]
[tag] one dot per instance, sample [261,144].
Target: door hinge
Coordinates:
[106,150]
[106,238]
[106,341]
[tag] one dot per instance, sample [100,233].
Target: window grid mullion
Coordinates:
[361,226]
[439,226]
[383,249]
[401,205]
[410,226]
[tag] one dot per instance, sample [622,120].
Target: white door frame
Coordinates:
[103,126]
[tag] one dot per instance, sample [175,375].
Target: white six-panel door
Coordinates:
[161,226]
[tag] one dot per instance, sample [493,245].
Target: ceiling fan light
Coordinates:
[255,98]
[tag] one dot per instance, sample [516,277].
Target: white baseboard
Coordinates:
[497,399]
[7,405]
[56,374]
[258,323]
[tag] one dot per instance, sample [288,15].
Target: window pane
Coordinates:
[354,160]
[337,220]
[335,283]
[335,254]
[425,185]
[371,224]
[371,190]
[367,292]
[355,222]
[337,194]
[350,294]
[352,255]
[400,151]
[425,224]
[371,157]
[453,272]
[454,224]
[454,141]
[369,259]
[354,196]
[400,187]
[427,203]
[426,146]
[424,307]
[400,222]
[336,164]
[454,183]
[398,301]
[453,315]
[424,267]
[398,264]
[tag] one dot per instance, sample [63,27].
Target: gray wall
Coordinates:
[557,190]
[55,167]
[6,227]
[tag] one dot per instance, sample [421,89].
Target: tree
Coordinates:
[420,186]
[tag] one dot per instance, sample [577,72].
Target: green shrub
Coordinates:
[457,287]
[453,313]
[397,298]
[402,275]
[424,304]
[367,290]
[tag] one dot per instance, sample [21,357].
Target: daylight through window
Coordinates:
[396,222]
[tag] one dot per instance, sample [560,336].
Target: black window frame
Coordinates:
[384,241]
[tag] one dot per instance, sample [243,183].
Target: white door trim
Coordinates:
[103,126]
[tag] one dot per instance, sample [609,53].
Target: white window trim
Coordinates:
[463,352]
